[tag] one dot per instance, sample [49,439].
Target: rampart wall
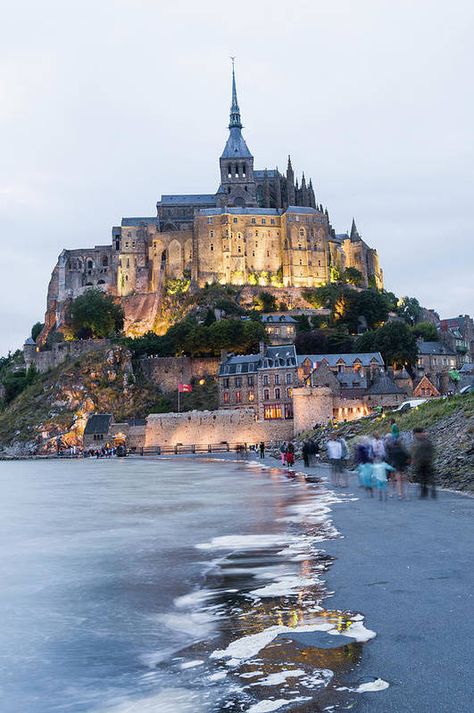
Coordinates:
[213,427]
[168,372]
[49,359]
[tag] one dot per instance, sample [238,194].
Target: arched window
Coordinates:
[277,393]
[105,261]
[236,170]
[302,232]
[244,170]
[90,264]
[101,282]
[266,395]
[229,171]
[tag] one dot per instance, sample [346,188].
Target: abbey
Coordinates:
[260,227]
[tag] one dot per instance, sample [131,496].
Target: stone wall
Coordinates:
[49,359]
[205,428]
[168,372]
[317,405]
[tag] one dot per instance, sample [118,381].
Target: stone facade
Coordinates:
[45,360]
[168,372]
[318,405]
[204,428]
[260,227]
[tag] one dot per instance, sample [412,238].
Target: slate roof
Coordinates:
[250,363]
[301,209]
[435,348]
[278,319]
[384,385]
[30,341]
[187,199]
[465,369]
[139,221]
[365,358]
[235,146]
[98,423]
[271,173]
[240,211]
[351,380]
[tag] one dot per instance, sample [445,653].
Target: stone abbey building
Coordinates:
[260,227]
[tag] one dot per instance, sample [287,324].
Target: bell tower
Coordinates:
[238,187]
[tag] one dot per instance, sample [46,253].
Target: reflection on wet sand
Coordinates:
[274,641]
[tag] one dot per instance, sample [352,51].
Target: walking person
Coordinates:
[262,449]
[363,458]
[380,471]
[306,450]
[334,451]
[344,462]
[399,458]
[423,462]
[290,454]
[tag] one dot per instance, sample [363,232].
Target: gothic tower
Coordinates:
[238,187]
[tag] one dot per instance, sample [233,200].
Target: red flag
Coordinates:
[185,388]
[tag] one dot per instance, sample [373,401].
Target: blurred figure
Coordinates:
[363,457]
[380,471]
[334,451]
[378,448]
[344,461]
[399,458]
[423,462]
[262,449]
[283,453]
[290,454]
[305,450]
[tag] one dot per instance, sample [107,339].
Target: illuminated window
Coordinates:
[226,397]
[251,396]
[289,392]
[272,412]
[238,397]
[288,411]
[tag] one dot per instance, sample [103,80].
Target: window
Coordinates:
[212,248]
[238,397]
[226,383]
[238,381]
[251,396]
[289,392]
[271,412]
[272,221]
[277,376]
[289,378]
[239,249]
[226,397]
[288,411]
[235,220]
[264,221]
[249,380]
[277,393]
[209,220]
[302,232]
[265,380]
[266,395]
[211,233]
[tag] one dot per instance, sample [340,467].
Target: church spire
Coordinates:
[234,109]
[354,232]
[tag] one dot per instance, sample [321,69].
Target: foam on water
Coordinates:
[168,700]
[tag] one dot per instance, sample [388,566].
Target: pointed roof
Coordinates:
[354,232]
[234,108]
[384,385]
[235,146]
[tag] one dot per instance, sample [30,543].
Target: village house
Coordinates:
[280,328]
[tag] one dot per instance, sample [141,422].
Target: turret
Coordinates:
[290,183]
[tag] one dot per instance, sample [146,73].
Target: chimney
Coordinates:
[261,349]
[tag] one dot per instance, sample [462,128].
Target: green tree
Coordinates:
[15,382]
[94,315]
[36,330]
[395,341]
[409,309]
[426,331]
[266,301]
[352,276]
[374,306]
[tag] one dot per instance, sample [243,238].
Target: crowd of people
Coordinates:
[383,464]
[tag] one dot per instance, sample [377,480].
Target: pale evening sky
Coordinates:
[106,104]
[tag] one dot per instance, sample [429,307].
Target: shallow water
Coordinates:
[148,586]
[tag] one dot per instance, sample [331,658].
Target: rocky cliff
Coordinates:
[59,402]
